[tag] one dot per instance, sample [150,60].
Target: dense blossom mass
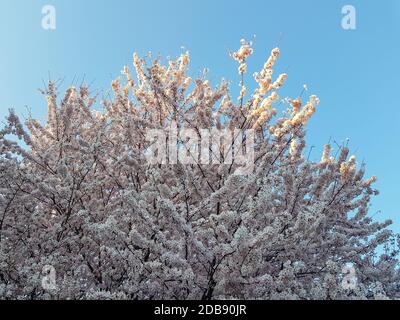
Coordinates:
[78,197]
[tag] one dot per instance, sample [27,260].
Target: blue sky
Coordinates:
[354,72]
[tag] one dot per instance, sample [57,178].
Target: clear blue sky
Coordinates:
[354,72]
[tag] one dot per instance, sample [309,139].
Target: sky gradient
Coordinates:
[355,73]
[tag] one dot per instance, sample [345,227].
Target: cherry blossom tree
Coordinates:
[79,194]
